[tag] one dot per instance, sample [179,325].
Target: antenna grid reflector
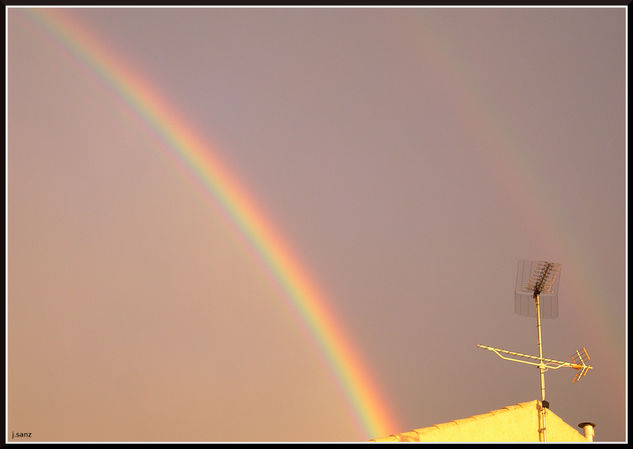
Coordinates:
[537,277]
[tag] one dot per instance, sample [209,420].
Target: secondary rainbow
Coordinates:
[303,294]
[508,162]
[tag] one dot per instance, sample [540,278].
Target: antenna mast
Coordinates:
[536,281]
[541,280]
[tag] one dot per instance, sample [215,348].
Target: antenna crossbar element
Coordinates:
[577,360]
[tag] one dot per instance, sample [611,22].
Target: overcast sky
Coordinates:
[409,157]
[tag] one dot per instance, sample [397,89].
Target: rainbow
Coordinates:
[507,161]
[367,404]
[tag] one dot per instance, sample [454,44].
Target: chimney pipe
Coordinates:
[588,428]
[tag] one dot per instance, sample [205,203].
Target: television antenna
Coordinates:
[536,281]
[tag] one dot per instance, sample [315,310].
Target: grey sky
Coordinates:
[409,156]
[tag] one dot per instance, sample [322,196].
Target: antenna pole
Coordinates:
[540,345]
[541,365]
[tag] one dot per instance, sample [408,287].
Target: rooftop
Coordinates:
[513,423]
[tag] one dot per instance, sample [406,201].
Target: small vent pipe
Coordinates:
[588,428]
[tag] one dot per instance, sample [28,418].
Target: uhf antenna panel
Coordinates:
[529,274]
[536,295]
